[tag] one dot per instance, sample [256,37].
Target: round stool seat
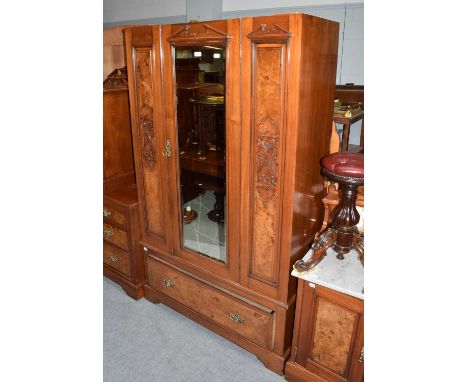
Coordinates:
[344,164]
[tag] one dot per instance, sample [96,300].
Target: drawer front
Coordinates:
[112,214]
[115,235]
[117,259]
[248,321]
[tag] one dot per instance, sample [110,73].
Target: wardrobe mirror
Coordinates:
[200,78]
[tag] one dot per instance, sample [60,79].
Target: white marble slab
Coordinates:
[345,276]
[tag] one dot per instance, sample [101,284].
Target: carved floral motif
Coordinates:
[267,157]
[145,108]
[149,152]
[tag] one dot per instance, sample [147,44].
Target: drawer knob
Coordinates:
[108,233]
[113,258]
[236,317]
[168,283]
[361,357]
[107,213]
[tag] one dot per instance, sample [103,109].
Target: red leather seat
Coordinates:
[344,164]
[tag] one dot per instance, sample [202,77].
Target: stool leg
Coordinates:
[346,217]
[358,243]
[319,250]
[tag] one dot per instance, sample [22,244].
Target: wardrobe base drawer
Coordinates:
[117,259]
[249,321]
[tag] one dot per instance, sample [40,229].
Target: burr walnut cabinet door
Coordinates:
[331,332]
[149,136]
[205,159]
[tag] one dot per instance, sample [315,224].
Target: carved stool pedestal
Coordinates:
[348,170]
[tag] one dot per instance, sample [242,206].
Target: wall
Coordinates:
[350,66]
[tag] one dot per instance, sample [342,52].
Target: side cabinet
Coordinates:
[122,255]
[328,343]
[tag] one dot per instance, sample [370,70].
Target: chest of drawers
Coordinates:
[122,256]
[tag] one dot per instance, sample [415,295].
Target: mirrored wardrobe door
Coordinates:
[199,60]
[201,130]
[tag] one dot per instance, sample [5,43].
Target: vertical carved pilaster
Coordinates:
[145,107]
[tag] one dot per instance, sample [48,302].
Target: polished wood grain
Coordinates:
[148,136]
[115,235]
[328,336]
[118,168]
[114,216]
[117,259]
[249,321]
[278,105]
[332,337]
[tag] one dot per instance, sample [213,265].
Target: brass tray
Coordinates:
[208,100]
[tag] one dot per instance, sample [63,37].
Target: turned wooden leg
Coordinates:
[345,137]
[346,217]
[319,250]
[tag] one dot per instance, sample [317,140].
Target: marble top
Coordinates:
[345,276]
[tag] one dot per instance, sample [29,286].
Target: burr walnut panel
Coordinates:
[247,320]
[151,177]
[268,89]
[332,337]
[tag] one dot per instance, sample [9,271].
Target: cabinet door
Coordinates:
[201,106]
[265,70]
[149,136]
[331,334]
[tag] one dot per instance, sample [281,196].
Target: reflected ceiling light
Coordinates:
[197,54]
[216,55]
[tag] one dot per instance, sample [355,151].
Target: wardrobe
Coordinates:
[229,120]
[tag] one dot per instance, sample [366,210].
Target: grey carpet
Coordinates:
[146,342]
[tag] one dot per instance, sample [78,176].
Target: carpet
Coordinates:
[146,342]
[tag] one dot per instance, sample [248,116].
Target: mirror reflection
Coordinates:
[200,78]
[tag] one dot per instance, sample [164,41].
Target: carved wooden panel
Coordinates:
[148,147]
[332,338]
[268,89]
[265,32]
[197,33]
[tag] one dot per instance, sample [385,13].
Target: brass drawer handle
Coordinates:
[108,233]
[113,258]
[361,357]
[107,213]
[236,317]
[168,283]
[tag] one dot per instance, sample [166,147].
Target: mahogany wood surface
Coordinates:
[118,152]
[328,336]
[278,105]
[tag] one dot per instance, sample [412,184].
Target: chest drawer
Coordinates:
[117,259]
[249,321]
[114,215]
[115,235]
